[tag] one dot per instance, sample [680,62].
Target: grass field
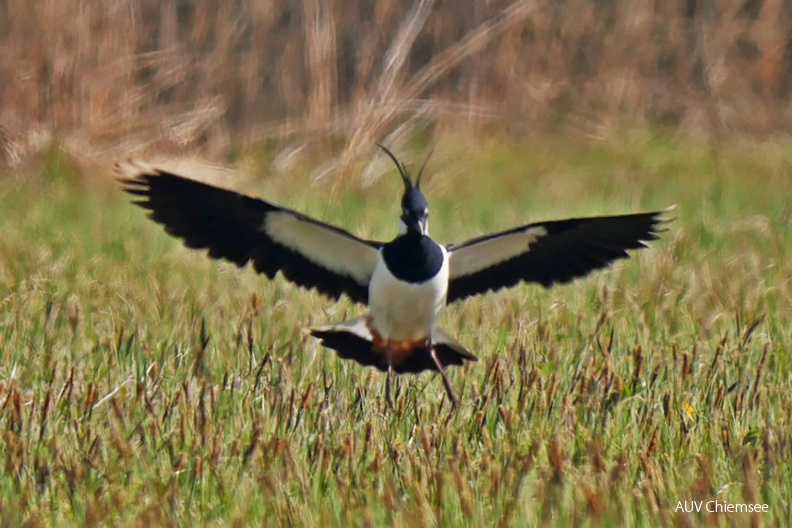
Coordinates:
[142,384]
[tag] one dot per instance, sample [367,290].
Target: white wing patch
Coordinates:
[322,246]
[478,256]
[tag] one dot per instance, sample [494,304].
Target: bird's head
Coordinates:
[415,210]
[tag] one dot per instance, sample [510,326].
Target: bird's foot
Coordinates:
[440,369]
[389,380]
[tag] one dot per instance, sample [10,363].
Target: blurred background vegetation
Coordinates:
[166,77]
[143,385]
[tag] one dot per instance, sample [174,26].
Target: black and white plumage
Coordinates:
[243,229]
[406,282]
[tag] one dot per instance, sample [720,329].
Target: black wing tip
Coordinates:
[135,178]
[661,218]
[132,174]
[661,215]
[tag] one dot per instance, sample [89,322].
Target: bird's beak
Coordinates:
[423,225]
[420,225]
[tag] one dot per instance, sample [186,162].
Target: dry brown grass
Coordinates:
[170,76]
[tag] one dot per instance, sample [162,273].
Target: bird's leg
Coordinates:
[449,390]
[389,359]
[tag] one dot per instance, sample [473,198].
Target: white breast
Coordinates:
[403,311]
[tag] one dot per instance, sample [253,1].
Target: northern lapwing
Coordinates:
[406,282]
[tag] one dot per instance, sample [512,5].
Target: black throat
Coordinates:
[413,257]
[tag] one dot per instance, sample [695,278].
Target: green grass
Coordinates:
[142,384]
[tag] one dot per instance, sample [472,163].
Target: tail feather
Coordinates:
[353,340]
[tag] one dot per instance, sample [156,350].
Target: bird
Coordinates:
[406,282]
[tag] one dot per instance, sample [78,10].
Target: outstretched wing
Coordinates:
[240,229]
[546,252]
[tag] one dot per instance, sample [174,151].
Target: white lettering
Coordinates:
[688,507]
[716,506]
